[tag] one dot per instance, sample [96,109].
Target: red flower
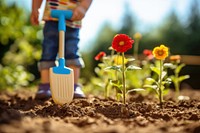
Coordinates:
[147,52]
[122,43]
[100,55]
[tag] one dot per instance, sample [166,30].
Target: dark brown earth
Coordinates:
[20,113]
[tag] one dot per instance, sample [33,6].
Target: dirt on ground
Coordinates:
[21,113]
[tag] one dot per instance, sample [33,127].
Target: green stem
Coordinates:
[123,79]
[160,83]
[176,85]
[116,79]
[106,89]
[112,57]
[136,49]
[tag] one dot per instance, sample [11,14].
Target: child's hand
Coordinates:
[78,13]
[34,18]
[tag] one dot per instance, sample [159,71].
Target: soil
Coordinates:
[21,113]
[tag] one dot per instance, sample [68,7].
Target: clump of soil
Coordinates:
[19,112]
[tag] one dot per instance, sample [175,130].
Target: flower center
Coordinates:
[160,52]
[121,43]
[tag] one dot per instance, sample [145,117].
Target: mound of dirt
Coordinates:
[20,113]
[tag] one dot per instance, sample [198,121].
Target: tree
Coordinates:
[193,29]
[173,34]
[128,21]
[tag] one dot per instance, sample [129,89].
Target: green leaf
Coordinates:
[116,83]
[151,86]
[151,80]
[165,91]
[130,59]
[167,81]
[117,68]
[101,85]
[184,77]
[172,77]
[163,74]
[101,65]
[169,65]
[106,59]
[178,69]
[136,89]
[156,70]
[119,95]
[132,67]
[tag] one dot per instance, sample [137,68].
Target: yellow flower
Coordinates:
[160,52]
[118,60]
[137,36]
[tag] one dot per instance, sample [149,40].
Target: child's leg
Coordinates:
[76,73]
[73,59]
[49,53]
[44,74]
[44,86]
[78,93]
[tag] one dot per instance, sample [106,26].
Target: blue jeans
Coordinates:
[50,46]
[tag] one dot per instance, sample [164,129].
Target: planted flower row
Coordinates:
[126,74]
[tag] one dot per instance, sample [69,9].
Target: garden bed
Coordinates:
[19,112]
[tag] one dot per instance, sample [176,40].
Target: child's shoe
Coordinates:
[78,93]
[43,91]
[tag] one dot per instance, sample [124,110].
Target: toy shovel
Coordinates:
[61,77]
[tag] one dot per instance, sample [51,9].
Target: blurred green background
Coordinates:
[20,42]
